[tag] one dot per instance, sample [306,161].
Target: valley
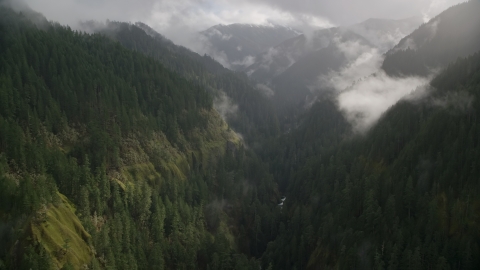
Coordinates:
[347,147]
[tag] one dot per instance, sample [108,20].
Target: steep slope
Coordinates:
[292,69]
[454,33]
[157,178]
[242,42]
[59,231]
[140,37]
[279,58]
[402,196]
[384,34]
[293,88]
[255,118]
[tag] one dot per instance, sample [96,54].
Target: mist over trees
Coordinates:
[122,150]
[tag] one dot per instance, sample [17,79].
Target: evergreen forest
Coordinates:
[113,155]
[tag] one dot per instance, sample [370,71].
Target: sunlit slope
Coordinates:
[158,179]
[60,232]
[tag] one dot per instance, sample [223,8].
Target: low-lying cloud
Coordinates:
[182,20]
[200,44]
[363,60]
[265,90]
[344,12]
[365,101]
[431,28]
[215,32]
[384,37]
[225,106]
[178,20]
[246,62]
[457,101]
[363,90]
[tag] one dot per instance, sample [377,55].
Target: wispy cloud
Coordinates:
[247,61]
[365,101]
[225,106]
[434,7]
[364,91]
[265,90]
[180,19]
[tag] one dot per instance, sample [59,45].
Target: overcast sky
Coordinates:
[177,19]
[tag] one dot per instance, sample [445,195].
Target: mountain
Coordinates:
[276,60]
[110,160]
[402,196]
[453,33]
[384,34]
[239,44]
[114,154]
[141,37]
[255,118]
[292,69]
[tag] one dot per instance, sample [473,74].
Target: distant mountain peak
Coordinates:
[386,33]
[253,39]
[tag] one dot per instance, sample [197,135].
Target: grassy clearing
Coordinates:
[62,235]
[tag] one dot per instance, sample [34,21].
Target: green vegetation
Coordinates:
[152,169]
[113,157]
[403,196]
[256,118]
[61,234]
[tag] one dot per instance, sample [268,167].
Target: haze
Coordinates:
[178,19]
[363,91]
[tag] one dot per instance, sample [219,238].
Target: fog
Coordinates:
[409,43]
[224,106]
[365,101]
[461,102]
[265,90]
[181,20]
[363,90]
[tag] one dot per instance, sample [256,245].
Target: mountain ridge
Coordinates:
[119,150]
[240,43]
[148,164]
[430,47]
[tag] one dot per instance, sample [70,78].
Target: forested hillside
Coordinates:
[114,155]
[437,43]
[292,70]
[109,160]
[255,119]
[404,196]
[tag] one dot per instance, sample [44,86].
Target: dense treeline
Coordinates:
[62,77]
[135,147]
[256,118]
[112,157]
[403,196]
[319,130]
